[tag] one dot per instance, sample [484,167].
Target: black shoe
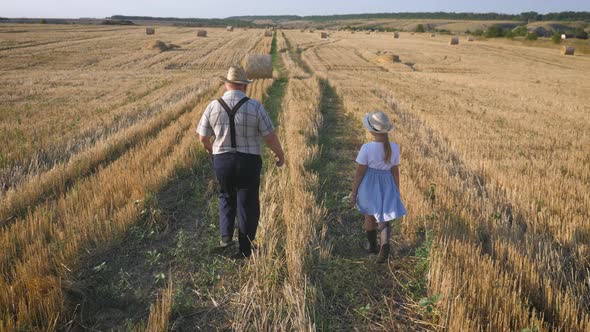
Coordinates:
[240,255]
[383,254]
[225,242]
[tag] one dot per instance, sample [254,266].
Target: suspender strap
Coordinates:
[231,112]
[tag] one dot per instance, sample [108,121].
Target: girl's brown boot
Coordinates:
[383,254]
[372,238]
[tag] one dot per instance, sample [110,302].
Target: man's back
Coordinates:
[251,123]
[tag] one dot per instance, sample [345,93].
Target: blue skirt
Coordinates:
[378,196]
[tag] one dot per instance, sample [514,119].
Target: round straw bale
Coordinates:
[229,28]
[268,33]
[469,39]
[324,35]
[150,31]
[396,35]
[433,35]
[568,50]
[201,33]
[258,66]
[454,41]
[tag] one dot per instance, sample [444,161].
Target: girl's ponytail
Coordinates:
[387,149]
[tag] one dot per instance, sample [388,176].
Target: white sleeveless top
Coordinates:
[372,155]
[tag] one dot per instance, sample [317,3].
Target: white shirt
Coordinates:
[372,155]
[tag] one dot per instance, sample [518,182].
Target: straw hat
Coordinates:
[377,122]
[236,74]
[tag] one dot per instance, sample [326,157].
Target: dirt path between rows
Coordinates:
[176,241]
[357,292]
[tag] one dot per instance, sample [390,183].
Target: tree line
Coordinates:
[248,20]
[525,16]
[210,22]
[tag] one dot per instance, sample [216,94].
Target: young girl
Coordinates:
[376,184]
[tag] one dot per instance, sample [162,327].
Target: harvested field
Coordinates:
[108,208]
[488,116]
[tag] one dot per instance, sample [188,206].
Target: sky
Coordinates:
[225,8]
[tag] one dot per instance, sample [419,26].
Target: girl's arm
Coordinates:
[395,173]
[358,177]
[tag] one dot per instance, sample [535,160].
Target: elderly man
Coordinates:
[238,124]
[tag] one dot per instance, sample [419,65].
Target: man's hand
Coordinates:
[273,143]
[207,144]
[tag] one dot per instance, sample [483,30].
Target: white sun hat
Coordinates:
[377,122]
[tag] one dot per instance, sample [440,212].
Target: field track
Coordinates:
[108,209]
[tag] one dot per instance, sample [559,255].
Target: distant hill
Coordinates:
[430,21]
[267,18]
[526,16]
[118,22]
[211,22]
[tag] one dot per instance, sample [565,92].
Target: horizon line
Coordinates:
[300,16]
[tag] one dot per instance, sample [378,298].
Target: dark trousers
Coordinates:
[239,179]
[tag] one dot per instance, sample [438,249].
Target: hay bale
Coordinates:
[161,46]
[229,28]
[432,35]
[469,39]
[258,66]
[202,33]
[568,50]
[267,33]
[563,36]
[396,35]
[150,31]
[324,35]
[454,41]
[387,58]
